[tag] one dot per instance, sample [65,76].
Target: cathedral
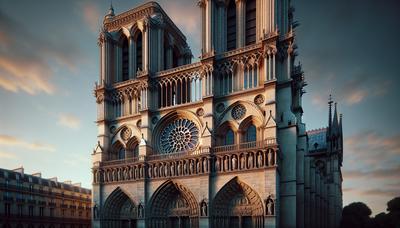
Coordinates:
[216,143]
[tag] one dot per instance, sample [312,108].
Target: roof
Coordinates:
[317,140]
[12,175]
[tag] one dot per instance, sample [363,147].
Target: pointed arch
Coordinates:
[235,203]
[231,26]
[119,210]
[116,147]
[171,203]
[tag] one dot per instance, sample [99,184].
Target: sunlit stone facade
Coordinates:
[215,143]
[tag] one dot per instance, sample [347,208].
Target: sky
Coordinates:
[49,64]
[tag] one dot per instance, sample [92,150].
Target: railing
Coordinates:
[245,146]
[179,154]
[120,161]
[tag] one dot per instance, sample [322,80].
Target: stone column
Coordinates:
[240,23]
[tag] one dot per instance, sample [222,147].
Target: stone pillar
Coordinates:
[240,23]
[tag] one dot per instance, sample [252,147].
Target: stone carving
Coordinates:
[200,112]
[259,160]
[205,165]
[250,161]
[217,165]
[238,112]
[242,162]
[220,107]
[140,211]
[270,207]
[203,207]
[126,133]
[180,135]
[191,167]
[154,120]
[259,99]
[139,124]
[234,163]
[112,129]
[226,164]
[172,169]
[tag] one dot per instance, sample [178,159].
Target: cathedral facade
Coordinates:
[215,143]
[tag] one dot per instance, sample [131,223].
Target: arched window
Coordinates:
[136,151]
[139,47]
[231,26]
[251,134]
[121,154]
[125,59]
[229,137]
[250,22]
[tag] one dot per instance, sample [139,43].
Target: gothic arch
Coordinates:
[171,204]
[117,134]
[251,109]
[169,118]
[115,148]
[119,210]
[236,203]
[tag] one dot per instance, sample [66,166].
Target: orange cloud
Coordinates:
[8,140]
[69,120]
[28,62]
[91,15]
[7,155]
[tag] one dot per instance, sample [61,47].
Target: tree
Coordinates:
[355,215]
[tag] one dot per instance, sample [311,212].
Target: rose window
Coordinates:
[238,112]
[180,135]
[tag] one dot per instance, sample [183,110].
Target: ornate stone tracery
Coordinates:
[238,112]
[180,135]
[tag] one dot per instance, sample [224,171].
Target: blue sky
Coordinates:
[49,63]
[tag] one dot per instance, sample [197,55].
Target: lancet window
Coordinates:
[125,59]
[250,22]
[231,26]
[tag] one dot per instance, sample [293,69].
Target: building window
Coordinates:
[30,211]
[229,137]
[73,213]
[41,211]
[125,59]
[231,26]
[20,210]
[51,212]
[139,47]
[121,154]
[251,134]
[7,209]
[250,22]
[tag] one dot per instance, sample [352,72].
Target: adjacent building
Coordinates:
[216,143]
[30,201]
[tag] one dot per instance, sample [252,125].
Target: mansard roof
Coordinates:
[317,140]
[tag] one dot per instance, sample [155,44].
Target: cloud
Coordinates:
[372,192]
[388,173]
[69,120]
[27,62]
[7,155]
[8,140]
[91,16]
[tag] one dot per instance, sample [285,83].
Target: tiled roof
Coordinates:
[317,140]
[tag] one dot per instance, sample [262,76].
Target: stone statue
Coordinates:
[191,166]
[179,168]
[250,161]
[242,162]
[140,211]
[166,168]
[95,211]
[203,208]
[172,169]
[270,157]
[150,171]
[259,160]
[226,164]
[270,206]
[205,165]
[140,172]
[198,169]
[234,163]
[184,167]
[217,165]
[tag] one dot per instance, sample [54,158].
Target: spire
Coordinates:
[110,13]
[330,113]
[335,122]
[340,124]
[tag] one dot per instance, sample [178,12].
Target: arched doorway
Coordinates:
[119,211]
[173,205]
[237,205]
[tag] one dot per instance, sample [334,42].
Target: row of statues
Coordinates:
[182,167]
